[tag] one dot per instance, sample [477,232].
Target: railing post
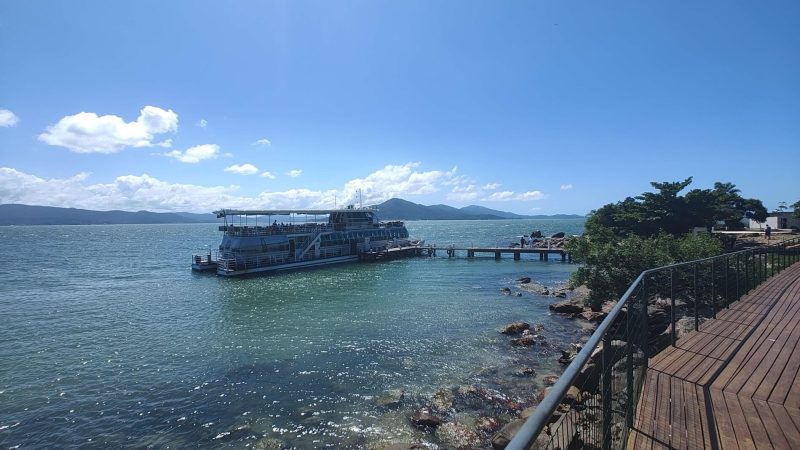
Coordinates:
[629,327]
[727,285]
[696,301]
[672,306]
[737,276]
[713,290]
[746,273]
[606,393]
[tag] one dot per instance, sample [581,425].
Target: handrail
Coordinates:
[541,417]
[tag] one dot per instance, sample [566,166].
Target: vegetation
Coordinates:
[796,206]
[654,229]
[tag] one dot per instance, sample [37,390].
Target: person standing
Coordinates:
[768,232]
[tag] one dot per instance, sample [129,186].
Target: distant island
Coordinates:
[393,209]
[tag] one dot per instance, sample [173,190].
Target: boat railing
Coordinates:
[275,229]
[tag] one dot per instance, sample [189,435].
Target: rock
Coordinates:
[527,412]
[391,398]
[516,328]
[518,294]
[456,435]
[535,288]
[487,424]
[560,234]
[404,446]
[567,307]
[423,417]
[443,399]
[536,234]
[569,354]
[525,340]
[504,436]
[550,380]
[505,291]
[592,316]
[524,372]
[524,280]
[572,396]
[269,443]
[560,294]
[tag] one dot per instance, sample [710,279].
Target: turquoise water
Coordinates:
[108,339]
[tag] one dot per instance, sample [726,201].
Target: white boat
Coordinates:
[262,240]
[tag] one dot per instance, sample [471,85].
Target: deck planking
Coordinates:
[734,383]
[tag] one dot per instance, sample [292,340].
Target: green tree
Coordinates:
[796,206]
[653,229]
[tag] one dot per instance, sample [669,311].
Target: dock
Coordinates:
[543,253]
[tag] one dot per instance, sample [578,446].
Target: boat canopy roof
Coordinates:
[286,212]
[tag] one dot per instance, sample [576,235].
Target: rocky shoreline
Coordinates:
[493,403]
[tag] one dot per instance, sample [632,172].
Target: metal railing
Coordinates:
[593,404]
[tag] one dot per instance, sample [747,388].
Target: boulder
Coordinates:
[572,396]
[516,328]
[550,380]
[536,234]
[456,435]
[560,234]
[592,316]
[504,436]
[505,291]
[524,372]
[567,307]
[487,424]
[443,399]
[524,340]
[404,447]
[524,280]
[423,417]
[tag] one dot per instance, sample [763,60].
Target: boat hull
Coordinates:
[221,270]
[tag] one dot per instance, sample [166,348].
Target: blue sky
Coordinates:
[531,107]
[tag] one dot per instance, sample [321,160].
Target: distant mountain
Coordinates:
[48,215]
[404,210]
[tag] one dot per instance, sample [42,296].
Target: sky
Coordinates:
[534,107]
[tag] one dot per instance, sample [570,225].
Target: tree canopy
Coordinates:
[653,229]
[666,211]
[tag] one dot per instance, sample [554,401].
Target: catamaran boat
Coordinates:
[261,240]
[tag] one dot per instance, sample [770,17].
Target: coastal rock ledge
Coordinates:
[515,328]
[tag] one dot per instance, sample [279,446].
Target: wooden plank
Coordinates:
[724,426]
[677,419]
[739,421]
[757,430]
[773,425]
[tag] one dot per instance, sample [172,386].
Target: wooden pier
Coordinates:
[517,252]
[735,383]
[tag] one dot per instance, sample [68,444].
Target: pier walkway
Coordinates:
[735,383]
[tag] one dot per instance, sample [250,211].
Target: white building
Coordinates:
[776,221]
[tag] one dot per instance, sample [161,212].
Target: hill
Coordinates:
[48,215]
[404,210]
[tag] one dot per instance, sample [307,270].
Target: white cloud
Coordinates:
[394,181]
[565,187]
[263,141]
[138,192]
[268,174]
[500,196]
[195,154]
[490,186]
[463,193]
[202,123]
[242,169]
[8,118]
[87,132]
[294,173]
[531,195]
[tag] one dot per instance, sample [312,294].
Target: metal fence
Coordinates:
[594,401]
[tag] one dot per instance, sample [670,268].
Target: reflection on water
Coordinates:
[110,341]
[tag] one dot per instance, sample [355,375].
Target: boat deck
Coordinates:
[735,383]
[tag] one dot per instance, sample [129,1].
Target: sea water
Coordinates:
[108,339]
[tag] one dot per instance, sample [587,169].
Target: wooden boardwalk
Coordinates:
[734,384]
